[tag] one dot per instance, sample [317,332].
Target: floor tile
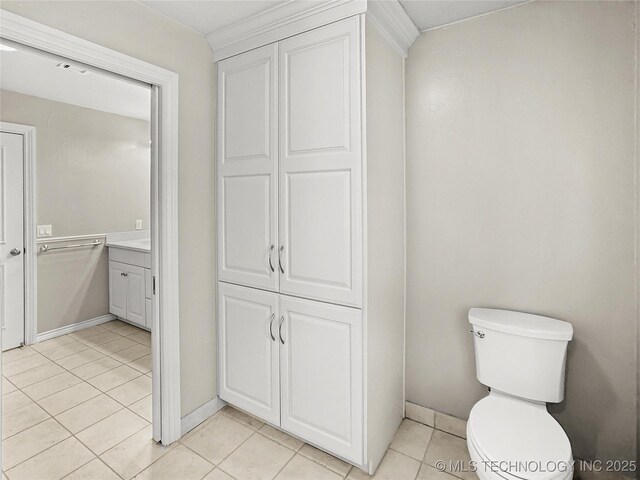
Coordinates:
[245,419]
[281,437]
[52,385]
[99,338]
[54,463]
[132,391]
[52,344]
[110,431]
[112,324]
[88,332]
[93,369]
[65,350]
[132,353]
[412,439]
[136,453]
[27,363]
[16,354]
[24,445]
[125,329]
[13,401]
[180,463]
[301,468]
[114,378]
[86,414]
[80,358]
[115,346]
[217,439]
[326,460]
[143,408]
[452,425]
[141,337]
[449,449]
[257,459]
[217,474]
[18,420]
[69,398]
[394,466]
[36,375]
[7,386]
[94,470]
[427,472]
[142,364]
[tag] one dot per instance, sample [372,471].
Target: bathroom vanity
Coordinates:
[130,282]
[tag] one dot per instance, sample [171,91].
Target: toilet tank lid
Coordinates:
[521,324]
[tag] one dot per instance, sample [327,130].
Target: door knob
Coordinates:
[15,252]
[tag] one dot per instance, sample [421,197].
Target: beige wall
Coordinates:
[136,30]
[93,167]
[520,195]
[385,240]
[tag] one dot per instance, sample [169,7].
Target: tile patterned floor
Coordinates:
[79,407]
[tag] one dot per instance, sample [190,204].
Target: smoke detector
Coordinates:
[72,68]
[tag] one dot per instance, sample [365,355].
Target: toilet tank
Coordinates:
[520,354]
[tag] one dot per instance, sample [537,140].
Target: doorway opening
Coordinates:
[62,329]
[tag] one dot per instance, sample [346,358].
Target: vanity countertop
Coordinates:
[138,244]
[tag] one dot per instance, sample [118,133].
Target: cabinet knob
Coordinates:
[271,264]
[273,317]
[280,329]
[280,258]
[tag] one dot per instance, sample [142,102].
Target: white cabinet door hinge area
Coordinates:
[248,169]
[321,375]
[320,188]
[248,350]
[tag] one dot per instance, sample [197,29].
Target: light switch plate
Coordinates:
[138,224]
[44,230]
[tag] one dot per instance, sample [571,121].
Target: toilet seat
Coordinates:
[518,440]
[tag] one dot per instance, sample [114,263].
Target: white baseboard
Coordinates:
[200,414]
[74,327]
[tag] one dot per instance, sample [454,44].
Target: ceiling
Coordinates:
[38,75]
[207,16]
[427,14]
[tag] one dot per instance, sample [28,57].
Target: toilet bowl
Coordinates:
[521,358]
[513,439]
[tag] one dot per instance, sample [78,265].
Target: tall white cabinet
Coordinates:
[296,330]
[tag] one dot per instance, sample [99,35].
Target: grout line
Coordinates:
[51,417]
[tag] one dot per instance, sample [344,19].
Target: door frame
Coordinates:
[29,226]
[164,199]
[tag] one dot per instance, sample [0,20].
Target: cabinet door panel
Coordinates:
[321,375]
[117,289]
[321,164]
[248,350]
[247,168]
[136,295]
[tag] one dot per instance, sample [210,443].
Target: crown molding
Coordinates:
[283,20]
[393,22]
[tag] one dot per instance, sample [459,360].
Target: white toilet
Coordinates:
[521,358]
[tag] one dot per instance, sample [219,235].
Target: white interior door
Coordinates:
[249,350]
[320,164]
[12,239]
[321,375]
[247,168]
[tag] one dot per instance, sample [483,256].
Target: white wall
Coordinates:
[93,168]
[136,30]
[520,195]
